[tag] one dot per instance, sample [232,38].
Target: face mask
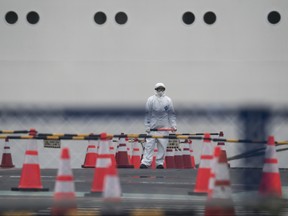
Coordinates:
[159,93]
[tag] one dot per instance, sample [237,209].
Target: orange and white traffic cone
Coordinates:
[104,160]
[204,169]
[223,148]
[179,164]
[113,147]
[136,154]
[270,184]
[214,162]
[30,179]
[6,156]
[219,200]
[122,158]
[112,188]
[170,158]
[186,155]
[64,193]
[91,154]
[129,145]
[193,164]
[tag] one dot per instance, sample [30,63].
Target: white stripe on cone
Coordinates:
[92,149]
[32,145]
[31,159]
[64,186]
[6,149]
[104,147]
[270,168]
[103,162]
[170,152]
[112,189]
[65,168]
[206,163]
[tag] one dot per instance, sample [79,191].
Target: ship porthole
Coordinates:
[11,17]
[121,18]
[209,17]
[100,18]
[188,18]
[274,17]
[33,17]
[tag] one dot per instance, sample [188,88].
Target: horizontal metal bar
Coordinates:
[133,136]
[14,131]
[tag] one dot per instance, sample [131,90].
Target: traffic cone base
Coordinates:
[125,166]
[87,166]
[29,189]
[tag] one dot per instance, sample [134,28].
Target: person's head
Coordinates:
[160,89]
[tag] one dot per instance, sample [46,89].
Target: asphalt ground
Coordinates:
[144,192]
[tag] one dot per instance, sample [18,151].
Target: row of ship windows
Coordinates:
[121,18]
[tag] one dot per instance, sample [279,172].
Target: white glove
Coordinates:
[174,129]
[147,129]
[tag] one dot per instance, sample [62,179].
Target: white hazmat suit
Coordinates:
[159,113]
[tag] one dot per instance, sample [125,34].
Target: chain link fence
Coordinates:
[232,122]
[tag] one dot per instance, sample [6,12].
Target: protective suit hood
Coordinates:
[160,89]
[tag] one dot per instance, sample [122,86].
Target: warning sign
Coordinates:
[173,143]
[52,144]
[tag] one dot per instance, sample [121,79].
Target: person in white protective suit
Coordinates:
[159,113]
